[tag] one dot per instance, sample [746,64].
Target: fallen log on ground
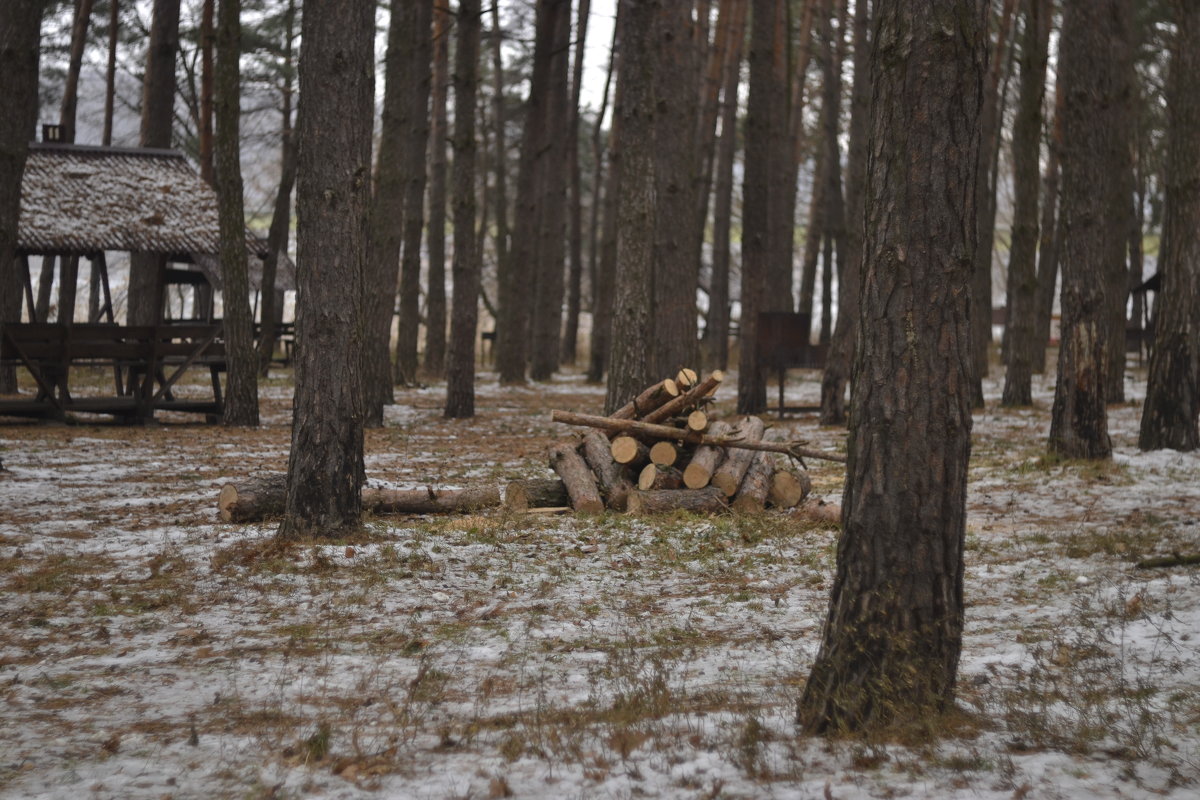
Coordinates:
[756,485]
[581,484]
[256,499]
[610,476]
[709,500]
[789,489]
[536,493]
[1176,560]
[793,449]
[656,477]
[707,458]
[728,476]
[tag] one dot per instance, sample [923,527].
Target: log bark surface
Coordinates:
[429,501]
[793,449]
[254,499]
[756,484]
[688,400]
[709,500]
[707,458]
[728,476]
[648,401]
[536,493]
[581,484]
[610,476]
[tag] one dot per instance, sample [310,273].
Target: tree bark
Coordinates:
[110,72]
[756,485]
[158,115]
[20,36]
[1026,151]
[706,459]
[1172,406]
[985,205]
[83,17]
[205,124]
[610,476]
[716,329]
[580,483]
[460,366]
[281,216]
[676,253]
[550,253]
[570,337]
[598,344]
[1079,421]
[416,83]
[758,199]
[696,501]
[325,469]
[840,356]
[604,286]
[894,632]
[728,476]
[435,302]
[834,228]
[241,390]
[1050,242]
[500,171]
[631,353]
[387,208]
[536,493]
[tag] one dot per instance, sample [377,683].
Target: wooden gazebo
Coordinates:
[81,202]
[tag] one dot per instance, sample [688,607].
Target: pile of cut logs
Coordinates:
[660,452]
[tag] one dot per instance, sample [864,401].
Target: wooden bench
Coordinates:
[147,362]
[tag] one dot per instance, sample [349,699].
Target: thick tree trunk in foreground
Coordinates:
[1169,417]
[1022,264]
[337,71]
[1079,422]
[20,35]
[460,366]
[892,640]
[241,393]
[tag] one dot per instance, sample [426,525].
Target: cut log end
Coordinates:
[788,489]
[697,421]
[663,454]
[627,450]
[226,501]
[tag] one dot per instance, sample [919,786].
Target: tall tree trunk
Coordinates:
[831,113]
[894,633]
[1050,242]
[158,113]
[241,395]
[281,216]
[631,365]
[717,328]
[388,203]
[206,91]
[676,257]
[20,37]
[416,84]
[1119,160]
[1079,421]
[500,162]
[781,205]
[1172,408]
[460,372]
[110,72]
[337,70]
[841,347]
[985,205]
[551,188]
[570,337]
[1026,151]
[758,199]
[435,296]
[79,32]
[604,241]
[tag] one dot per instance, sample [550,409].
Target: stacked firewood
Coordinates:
[661,452]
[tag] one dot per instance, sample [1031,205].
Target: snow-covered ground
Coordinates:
[149,651]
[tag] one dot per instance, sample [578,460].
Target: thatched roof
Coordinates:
[79,199]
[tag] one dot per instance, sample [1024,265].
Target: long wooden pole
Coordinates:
[793,449]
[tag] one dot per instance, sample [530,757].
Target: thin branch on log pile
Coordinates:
[793,449]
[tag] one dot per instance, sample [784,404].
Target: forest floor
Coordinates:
[148,651]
